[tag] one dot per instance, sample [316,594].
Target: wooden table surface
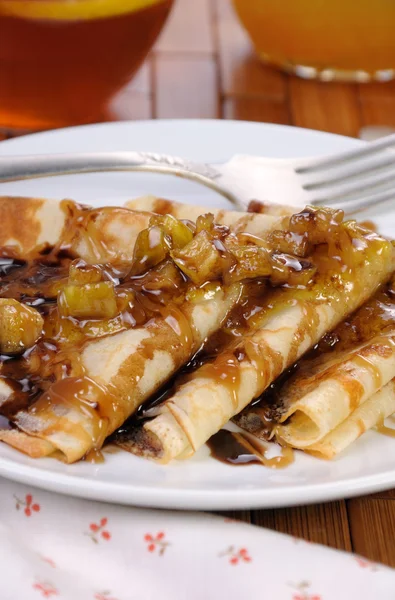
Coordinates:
[203,67]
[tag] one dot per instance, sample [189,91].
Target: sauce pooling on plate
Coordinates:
[242,448]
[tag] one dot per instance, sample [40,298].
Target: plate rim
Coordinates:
[197,122]
[192,499]
[176,497]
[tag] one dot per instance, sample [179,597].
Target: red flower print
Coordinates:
[49,561]
[47,589]
[30,507]
[106,595]
[303,591]
[156,542]
[97,531]
[236,556]
[364,563]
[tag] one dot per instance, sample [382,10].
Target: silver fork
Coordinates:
[354,180]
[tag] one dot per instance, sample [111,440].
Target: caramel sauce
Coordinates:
[225,370]
[364,363]
[338,252]
[242,449]
[49,377]
[384,429]
[307,326]
[178,322]
[369,225]
[82,395]
[389,431]
[94,456]
[350,384]
[50,374]
[267,362]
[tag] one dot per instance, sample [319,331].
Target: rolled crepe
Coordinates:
[257,223]
[315,404]
[115,374]
[368,415]
[107,235]
[321,407]
[102,235]
[28,223]
[118,373]
[290,323]
[162,206]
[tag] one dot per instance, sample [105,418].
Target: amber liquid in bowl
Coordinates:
[326,39]
[63,69]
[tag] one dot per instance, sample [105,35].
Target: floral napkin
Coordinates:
[63,548]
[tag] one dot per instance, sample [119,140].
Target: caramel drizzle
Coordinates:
[364,363]
[384,429]
[267,362]
[226,371]
[100,408]
[181,326]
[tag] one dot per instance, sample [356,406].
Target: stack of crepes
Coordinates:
[343,388]
[339,391]
[271,282]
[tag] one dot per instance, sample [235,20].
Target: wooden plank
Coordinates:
[188,28]
[321,523]
[256,109]
[372,524]
[378,103]
[185,87]
[237,515]
[388,495]
[241,72]
[325,106]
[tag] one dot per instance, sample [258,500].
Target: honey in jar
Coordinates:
[61,61]
[326,39]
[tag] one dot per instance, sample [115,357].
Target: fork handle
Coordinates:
[15,168]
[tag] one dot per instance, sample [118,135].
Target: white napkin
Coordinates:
[56,547]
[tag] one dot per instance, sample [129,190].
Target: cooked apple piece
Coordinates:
[200,260]
[252,261]
[20,326]
[319,225]
[179,233]
[287,269]
[205,222]
[150,249]
[89,301]
[290,243]
[81,273]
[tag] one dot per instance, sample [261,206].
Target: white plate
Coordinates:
[199,483]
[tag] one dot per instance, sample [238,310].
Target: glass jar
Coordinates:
[61,61]
[325,39]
